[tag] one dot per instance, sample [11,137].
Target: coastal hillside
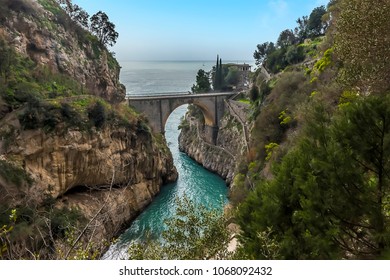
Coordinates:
[76,163]
[315,183]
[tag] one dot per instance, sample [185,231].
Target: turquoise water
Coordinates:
[200,185]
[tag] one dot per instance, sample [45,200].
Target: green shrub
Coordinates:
[14,174]
[31,118]
[269,148]
[295,54]
[97,114]
[63,219]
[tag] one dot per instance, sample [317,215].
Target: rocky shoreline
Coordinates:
[221,158]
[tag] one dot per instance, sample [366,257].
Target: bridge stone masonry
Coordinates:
[157,109]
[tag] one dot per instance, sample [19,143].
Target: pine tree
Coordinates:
[328,198]
[103,29]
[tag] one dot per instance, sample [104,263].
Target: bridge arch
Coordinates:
[207,111]
[158,108]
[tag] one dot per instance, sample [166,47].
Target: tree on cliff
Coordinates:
[103,29]
[311,26]
[75,12]
[202,82]
[286,38]
[263,50]
[316,25]
[328,198]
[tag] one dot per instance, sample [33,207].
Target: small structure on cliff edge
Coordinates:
[244,70]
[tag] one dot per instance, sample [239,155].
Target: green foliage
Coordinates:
[263,50]
[14,174]
[142,127]
[285,118]
[75,12]
[238,192]
[97,114]
[233,76]
[286,39]
[347,97]
[325,61]
[52,7]
[25,83]
[290,90]
[328,195]
[103,29]
[184,124]
[289,49]
[269,148]
[217,75]
[193,233]
[196,112]
[225,77]
[254,93]
[362,44]
[202,82]
[316,26]
[268,248]
[113,64]
[63,220]
[295,54]
[276,61]
[5,231]
[7,59]
[39,114]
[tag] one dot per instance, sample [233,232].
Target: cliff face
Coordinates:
[59,161]
[223,157]
[41,31]
[74,160]
[107,175]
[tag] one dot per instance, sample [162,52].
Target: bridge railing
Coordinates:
[177,94]
[129,96]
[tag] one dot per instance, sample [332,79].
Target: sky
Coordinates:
[197,29]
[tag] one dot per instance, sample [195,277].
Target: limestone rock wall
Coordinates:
[109,175]
[223,157]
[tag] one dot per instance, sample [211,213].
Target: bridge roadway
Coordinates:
[173,95]
[158,107]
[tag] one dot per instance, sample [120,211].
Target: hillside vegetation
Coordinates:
[315,184]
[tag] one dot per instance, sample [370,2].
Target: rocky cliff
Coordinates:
[41,31]
[220,158]
[112,172]
[76,164]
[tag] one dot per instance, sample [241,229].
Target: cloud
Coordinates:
[279,7]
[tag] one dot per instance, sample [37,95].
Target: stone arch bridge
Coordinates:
[157,109]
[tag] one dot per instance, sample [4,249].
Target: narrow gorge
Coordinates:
[231,144]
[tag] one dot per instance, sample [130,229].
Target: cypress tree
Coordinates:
[220,75]
[216,75]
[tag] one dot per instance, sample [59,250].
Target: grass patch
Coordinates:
[245,101]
